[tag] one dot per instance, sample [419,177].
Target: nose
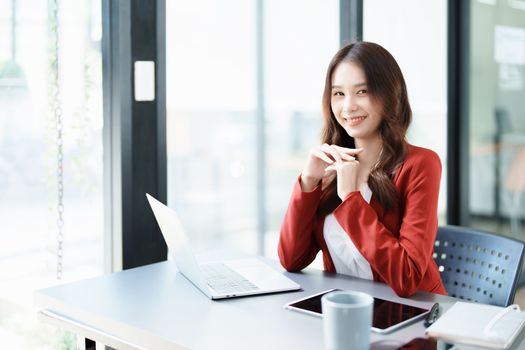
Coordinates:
[349,103]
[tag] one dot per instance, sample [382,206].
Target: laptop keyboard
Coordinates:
[225,280]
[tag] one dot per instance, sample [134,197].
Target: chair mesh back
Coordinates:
[478,266]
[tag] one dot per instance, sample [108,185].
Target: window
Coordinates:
[30,158]
[418,41]
[496,124]
[212,90]
[297,54]
[210,122]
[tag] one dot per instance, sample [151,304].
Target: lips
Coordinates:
[354,121]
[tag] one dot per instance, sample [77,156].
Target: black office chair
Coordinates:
[478,266]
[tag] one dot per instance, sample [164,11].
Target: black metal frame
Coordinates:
[350,21]
[134,132]
[457,115]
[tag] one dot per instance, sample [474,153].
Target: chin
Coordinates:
[358,134]
[354,133]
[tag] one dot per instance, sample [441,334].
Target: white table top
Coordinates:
[155,307]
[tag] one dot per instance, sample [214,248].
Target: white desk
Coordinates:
[155,307]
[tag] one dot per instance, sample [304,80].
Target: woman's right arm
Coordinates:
[297,244]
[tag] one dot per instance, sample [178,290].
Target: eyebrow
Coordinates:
[356,85]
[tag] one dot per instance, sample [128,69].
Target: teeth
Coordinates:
[355,118]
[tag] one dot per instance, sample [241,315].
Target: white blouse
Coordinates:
[347,259]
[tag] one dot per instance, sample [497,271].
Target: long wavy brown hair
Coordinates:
[386,85]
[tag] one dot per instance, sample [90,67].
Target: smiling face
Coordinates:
[353,106]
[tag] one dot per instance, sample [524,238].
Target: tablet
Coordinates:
[387,315]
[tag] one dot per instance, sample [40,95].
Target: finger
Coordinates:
[334,167]
[346,157]
[321,155]
[329,173]
[350,151]
[331,151]
[345,150]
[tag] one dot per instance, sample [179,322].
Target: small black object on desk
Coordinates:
[432,315]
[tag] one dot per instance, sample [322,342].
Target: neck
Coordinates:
[371,150]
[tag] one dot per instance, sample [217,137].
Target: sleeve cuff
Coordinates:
[315,194]
[353,195]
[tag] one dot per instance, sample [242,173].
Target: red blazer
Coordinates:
[398,244]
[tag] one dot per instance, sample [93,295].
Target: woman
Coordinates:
[366,198]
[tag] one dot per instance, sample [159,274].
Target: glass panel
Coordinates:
[29,160]
[496,116]
[297,55]
[422,56]
[212,89]
[211,120]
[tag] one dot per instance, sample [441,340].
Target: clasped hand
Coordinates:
[325,161]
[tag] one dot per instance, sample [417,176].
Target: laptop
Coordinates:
[217,280]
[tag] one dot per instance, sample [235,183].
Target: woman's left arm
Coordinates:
[401,259]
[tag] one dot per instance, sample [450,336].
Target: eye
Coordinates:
[361,92]
[338,93]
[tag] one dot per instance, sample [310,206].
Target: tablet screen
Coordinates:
[386,313]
